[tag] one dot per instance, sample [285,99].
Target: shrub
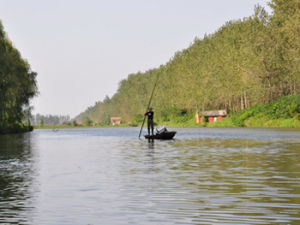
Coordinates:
[285,112]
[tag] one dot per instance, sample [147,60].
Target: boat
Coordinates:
[162,133]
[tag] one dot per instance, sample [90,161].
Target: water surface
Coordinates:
[109,176]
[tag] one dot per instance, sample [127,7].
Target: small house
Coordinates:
[211,116]
[115,120]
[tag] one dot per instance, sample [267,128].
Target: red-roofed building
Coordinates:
[115,120]
[211,116]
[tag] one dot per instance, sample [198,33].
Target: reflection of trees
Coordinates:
[16,173]
[261,176]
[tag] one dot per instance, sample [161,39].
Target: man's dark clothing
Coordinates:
[150,115]
[150,123]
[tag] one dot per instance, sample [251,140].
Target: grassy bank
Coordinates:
[285,112]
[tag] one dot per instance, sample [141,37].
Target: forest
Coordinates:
[245,63]
[17,87]
[42,120]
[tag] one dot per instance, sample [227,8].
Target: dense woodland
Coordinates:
[42,120]
[17,87]
[245,63]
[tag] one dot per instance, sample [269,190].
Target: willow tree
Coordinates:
[17,86]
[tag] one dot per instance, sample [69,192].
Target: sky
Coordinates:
[81,50]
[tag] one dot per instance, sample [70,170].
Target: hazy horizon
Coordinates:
[82,50]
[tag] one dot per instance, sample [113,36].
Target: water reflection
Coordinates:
[250,180]
[16,178]
[100,176]
[214,181]
[151,144]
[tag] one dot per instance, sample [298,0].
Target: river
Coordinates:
[109,176]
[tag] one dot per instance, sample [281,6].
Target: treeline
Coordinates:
[245,63]
[39,119]
[17,87]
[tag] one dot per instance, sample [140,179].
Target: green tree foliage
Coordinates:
[285,24]
[88,122]
[49,119]
[74,123]
[41,122]
[245,63]
[286,108]
[17,86]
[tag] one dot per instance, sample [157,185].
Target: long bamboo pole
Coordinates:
[148,105]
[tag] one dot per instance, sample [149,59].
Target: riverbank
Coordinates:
[16,129]
[77,127]
[283,113]
[250,123]
[227,123]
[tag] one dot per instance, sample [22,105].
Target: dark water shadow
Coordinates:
[17,173]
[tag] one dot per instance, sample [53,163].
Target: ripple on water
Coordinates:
[108,176]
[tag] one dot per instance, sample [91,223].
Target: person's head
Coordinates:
[150,109]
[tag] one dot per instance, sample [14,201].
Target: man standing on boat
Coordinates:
[150,115]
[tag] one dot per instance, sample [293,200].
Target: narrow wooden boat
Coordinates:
[162,133]
[164,136]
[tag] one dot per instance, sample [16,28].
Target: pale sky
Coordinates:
[81,50]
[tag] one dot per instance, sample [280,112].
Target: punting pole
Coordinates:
[148,105]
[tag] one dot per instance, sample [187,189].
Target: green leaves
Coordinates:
[17,86]
[287,107]
[245,63]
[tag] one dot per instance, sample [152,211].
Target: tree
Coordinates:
[245,63]
[88,122]
[41,122]
[74,123]
[17,86]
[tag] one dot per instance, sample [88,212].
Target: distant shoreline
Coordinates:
[212,125]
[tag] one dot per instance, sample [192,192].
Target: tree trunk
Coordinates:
[245,100]
[242,102]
